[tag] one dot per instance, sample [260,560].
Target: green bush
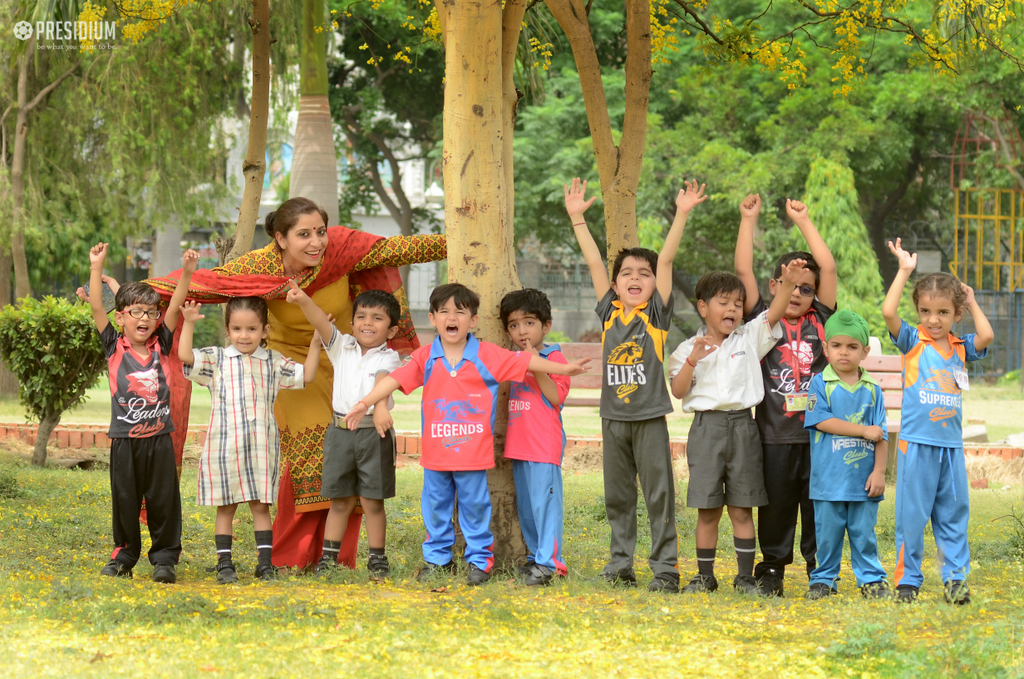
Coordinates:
[52,347]
[9,488]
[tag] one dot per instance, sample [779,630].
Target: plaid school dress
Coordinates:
[241,459]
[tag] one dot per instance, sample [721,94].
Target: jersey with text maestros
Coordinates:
[841,465]
[459,402]
[535,431]
[932,411]
[633,383]
[140,397]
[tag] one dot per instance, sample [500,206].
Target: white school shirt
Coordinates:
[355,373]
[729,378]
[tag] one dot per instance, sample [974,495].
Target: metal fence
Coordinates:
[1003,310]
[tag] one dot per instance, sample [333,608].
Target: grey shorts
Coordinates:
[358,462]
[723,452]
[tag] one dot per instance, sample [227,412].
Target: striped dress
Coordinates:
[241,458]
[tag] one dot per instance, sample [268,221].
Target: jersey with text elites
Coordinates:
[139,393]
[459,402]
[633,383]
[787,369]
[932,411]
[535,431]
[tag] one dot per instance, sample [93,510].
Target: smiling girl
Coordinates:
[931,475]
[241,459]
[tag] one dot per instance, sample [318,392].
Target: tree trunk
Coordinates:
[22,287]
[46,427]
[254,167]
[8,382]
[618,166]
[314,161]
[478,196]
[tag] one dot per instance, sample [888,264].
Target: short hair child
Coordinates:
[849,444]
[535,439]
[786,372]
[141,452]
[931,477]
[635,308]
[359,461]
[242,463]
[717,375]
[460,376]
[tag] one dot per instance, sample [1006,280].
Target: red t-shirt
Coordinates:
[459,403]
[535,431]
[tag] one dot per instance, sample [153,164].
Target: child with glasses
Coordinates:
[786,371]
[142,463]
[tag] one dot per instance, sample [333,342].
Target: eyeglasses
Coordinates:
[805,290]
[136,312]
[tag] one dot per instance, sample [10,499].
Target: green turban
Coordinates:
[848,324]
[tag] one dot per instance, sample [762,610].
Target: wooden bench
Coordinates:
[888,370]
[590,379]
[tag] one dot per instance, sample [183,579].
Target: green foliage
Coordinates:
[52,347]
[834,210]
[9,488]
[557,337]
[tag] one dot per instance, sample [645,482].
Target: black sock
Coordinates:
[376,551]
[706,561]
[264,550]
[331,549]
[223,543]
[746,550]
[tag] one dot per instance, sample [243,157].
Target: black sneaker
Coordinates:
[326,565]
[664,583]
[525,569]
[701,584]
[538,575]
[164,572]
[476,576]
[624,577]
[958,593]
[265,572]
[116,569]
[818,590]
[429,570]
[876,590]
[226,573]
[378,566]
[771,583]
[745,584]
[906,594]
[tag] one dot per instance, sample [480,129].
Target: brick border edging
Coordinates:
[407,442]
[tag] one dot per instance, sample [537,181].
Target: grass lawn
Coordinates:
[61,618]
[1002,408]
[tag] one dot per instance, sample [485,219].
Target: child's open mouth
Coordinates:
[634,289]
[729,321]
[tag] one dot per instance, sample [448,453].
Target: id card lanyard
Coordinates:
[797,401]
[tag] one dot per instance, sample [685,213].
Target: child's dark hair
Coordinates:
[811,265]
[463,297]
[255,304]
[717,283]
[378,299]
[943,285]
[135,292]
[530,301]
[649,256]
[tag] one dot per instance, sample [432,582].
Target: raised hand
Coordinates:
[796,210]
[190,312]
[751,205]
[295,294]
[969,292]
[690,196]
[97,254]
[792,272]
[575,198]
[702,346]
[908,262]
[190,261]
